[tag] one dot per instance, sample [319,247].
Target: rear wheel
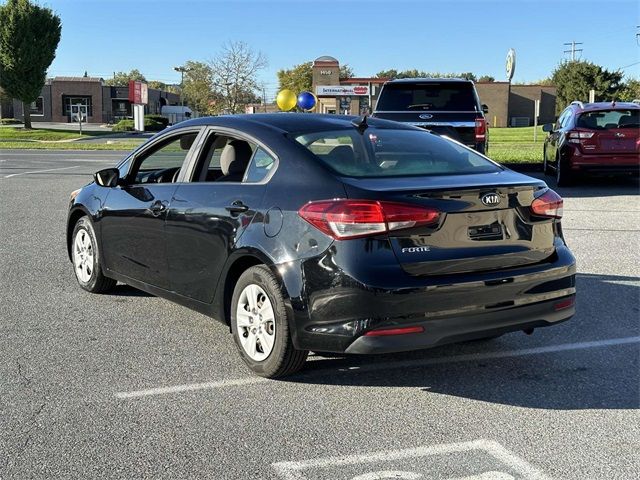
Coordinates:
[564,176]
[86,258]
[260,325]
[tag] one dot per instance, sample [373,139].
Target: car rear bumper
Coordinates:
[606,163]
[339,303]
[457,329]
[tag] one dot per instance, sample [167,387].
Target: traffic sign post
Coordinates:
[78,113]
[138,96]
[536,114]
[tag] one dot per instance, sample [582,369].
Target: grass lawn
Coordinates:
[515,145]
[43,134]
[506,145]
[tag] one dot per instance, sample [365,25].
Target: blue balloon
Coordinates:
[306,101]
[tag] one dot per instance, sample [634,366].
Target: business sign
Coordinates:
[138,93]
[511,63]
[342,90]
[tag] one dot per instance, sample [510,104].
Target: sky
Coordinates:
[369,35]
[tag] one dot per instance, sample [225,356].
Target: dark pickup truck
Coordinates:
[446,106]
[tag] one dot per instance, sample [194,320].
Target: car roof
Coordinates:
[429,80]
[587,107]
[285,122]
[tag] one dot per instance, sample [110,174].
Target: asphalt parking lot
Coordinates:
[131,386]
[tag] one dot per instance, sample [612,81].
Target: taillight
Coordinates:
[345,219]
[481,129]
[576,136]
[549,204]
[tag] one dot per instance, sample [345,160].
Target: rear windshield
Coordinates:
[609,119]
[393,153]
[449,96]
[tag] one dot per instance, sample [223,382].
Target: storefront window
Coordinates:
[37,107]
[364,105]
[68,100]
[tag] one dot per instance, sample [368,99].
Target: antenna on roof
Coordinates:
[360,123]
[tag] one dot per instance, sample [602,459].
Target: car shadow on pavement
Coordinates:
[123,290]
[601,377]
[594,186]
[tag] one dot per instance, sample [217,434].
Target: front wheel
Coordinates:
[545,164]
[86,258]
[260,325]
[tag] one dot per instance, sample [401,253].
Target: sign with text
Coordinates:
[341,90]
[138,93]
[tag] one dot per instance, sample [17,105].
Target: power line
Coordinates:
[573,49]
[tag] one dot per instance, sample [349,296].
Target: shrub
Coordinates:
[125,125]
[150,125]
[158,118]
[9,121]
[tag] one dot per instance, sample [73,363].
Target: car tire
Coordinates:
[260,325]
[545,164]
[563,174]
[85,256]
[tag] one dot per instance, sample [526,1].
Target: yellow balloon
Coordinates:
[286,100]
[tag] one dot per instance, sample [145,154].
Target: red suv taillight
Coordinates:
[344,219]
[576,136]
[549,204]
[481,129]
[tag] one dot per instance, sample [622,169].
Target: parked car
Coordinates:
[446,106]
[601,137]
[326,233]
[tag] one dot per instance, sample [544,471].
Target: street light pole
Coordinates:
[182,69]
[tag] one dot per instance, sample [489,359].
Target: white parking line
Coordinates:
[40,171]
[190,387]
[293,470]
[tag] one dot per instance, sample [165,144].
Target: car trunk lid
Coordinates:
[471,235]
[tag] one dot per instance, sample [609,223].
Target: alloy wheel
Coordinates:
[83,255]
[256,322]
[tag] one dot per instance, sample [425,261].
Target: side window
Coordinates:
[230,159]
[563,121]
[163,163]
[259,167]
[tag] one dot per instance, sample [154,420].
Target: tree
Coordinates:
[630,91]
[234,74]
[297,79]
[393,74]
[346,72]
[157,84]
[121,79]
[29,37]
[574,79]
[486,78]
[198,86]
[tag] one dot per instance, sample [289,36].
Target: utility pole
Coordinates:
[182,69]
[264,98]
[573,49]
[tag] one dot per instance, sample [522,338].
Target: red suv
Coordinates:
[593,138]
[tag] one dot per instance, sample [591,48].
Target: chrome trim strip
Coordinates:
[440,124]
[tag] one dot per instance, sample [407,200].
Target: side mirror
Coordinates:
[107,178]
[485,108]
[547,127]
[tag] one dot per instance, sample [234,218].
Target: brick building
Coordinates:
[509,105]
[102,104]
[514,105]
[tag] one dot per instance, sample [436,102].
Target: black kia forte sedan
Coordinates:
[326,233]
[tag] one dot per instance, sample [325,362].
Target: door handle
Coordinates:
[237,207]
[157,208]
